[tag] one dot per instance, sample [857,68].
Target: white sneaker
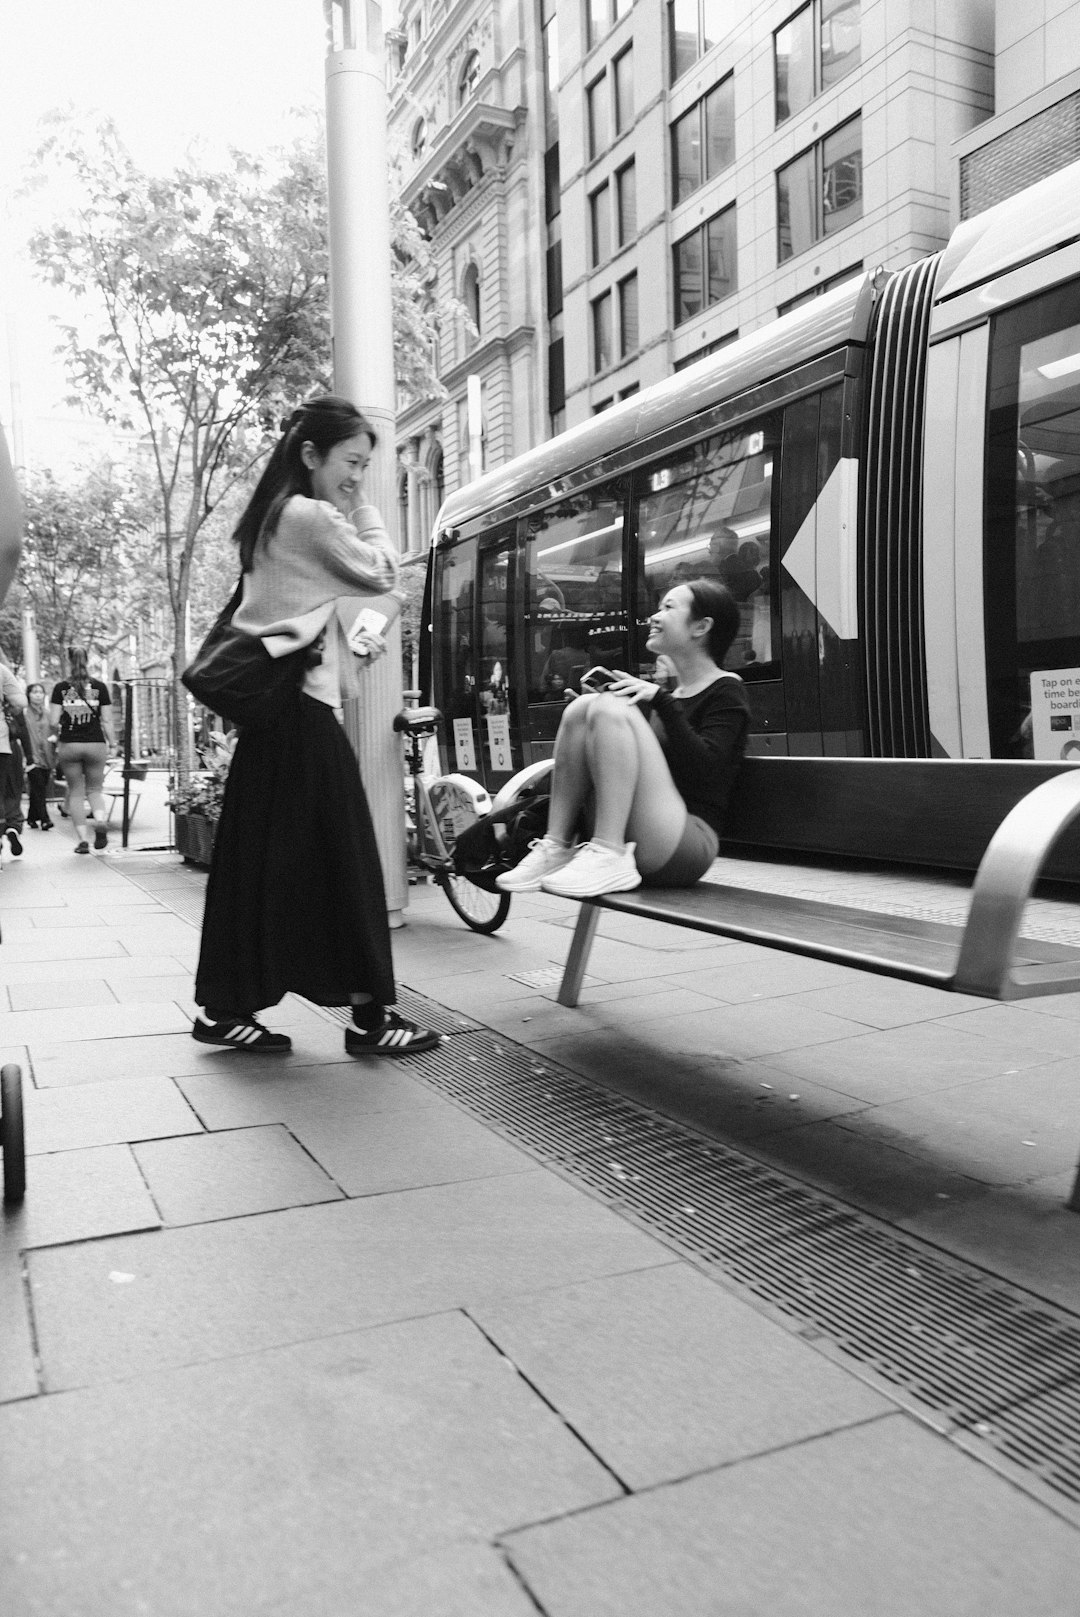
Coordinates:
[593,870]
[544,858]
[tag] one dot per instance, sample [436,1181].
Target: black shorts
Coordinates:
[698,847]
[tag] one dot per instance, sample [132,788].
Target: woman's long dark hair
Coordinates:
[324,422]
[711,599]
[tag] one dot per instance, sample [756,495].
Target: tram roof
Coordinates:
[829,323]
[1034,222]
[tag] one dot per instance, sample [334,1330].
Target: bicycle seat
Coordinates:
[418,721]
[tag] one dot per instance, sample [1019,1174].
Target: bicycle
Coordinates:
[441,808]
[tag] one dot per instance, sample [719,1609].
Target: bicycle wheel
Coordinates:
[11,1131]
[483,911]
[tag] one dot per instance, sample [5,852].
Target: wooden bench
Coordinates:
[1009,823]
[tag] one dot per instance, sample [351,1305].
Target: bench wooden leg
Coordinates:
[578,958]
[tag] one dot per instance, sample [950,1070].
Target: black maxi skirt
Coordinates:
[295,900]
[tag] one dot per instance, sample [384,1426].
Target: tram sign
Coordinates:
[1055,714]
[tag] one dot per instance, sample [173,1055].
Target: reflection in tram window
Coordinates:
[495,628]
[707,513]
[575,616]
[455,583]
[1032,514]
[1048,489]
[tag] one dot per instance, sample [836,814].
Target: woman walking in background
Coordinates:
[42,759]
[80,712]
[295,900]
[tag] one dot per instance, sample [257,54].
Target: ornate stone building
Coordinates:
[462,86]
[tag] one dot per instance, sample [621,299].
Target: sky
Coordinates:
[217,72]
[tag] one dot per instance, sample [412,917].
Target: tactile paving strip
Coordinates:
[988,1364]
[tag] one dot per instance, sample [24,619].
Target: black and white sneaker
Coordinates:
[241,1033]
[394,1037]
[14,842]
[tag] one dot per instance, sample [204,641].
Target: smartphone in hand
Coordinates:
[598,679]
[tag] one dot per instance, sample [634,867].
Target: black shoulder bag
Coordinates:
[234,675]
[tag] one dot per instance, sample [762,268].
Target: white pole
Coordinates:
[362,327]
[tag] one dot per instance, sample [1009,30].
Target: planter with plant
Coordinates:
[196,802]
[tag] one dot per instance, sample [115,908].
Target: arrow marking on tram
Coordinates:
[822,556]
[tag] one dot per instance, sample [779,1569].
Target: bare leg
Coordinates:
[94,773]
[636,798]
[571,779]
[76,797]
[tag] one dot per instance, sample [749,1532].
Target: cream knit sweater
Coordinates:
[313,557]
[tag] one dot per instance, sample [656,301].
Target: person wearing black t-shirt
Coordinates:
[655,768]
[80,711]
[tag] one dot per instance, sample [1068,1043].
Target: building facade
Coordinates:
[1035,129]
[614,189]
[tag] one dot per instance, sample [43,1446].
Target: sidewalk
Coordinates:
[307,1337]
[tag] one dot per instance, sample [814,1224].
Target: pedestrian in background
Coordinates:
[295,900]
[80,713]
[12,704]
[41,760]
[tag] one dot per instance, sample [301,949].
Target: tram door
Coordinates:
[496,636]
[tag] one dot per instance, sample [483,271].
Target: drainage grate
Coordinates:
[983,1361]
[989,1365]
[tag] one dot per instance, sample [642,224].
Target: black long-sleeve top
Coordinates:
[704,738]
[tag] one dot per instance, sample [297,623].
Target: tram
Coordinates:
[888,480]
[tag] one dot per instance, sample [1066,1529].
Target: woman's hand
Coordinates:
[632,689]
[369,646]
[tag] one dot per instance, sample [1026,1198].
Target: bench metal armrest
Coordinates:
[1009,870]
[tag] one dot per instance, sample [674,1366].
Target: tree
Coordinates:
[207,315]
[87,562]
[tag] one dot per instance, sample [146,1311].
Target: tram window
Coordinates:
[575,616]
[454,592]
[495,649]
[1032,559]
[707,513]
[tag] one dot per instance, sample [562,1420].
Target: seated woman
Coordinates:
[655,786]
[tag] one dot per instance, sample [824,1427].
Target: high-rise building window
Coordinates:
[597,115]
[820,191]
[628,316]
[625,205]
[600,224]
[603,344]
[814,50]
[694,26]
[554,280]
[419,139]
[705,265]
[623,89]
[603,15]
[797,302]
[552,184]
[470,297]
[703,140]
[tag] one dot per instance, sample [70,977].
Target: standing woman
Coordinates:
[42,759]
[295,900]
[80,713]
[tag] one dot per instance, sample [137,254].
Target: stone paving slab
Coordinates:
[885,1002]
[112,969]
[884,1520]
[663,1373]
[88,1023]
[81,1115]
[1004,1130]
[775,977]
[59,945]
[231,1174]
[324,1098]
[58,992]
[18,1373]
[401,1150]
[211,1290]
[296,1482]
[903,1061]
[80,1196]
[145,990]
